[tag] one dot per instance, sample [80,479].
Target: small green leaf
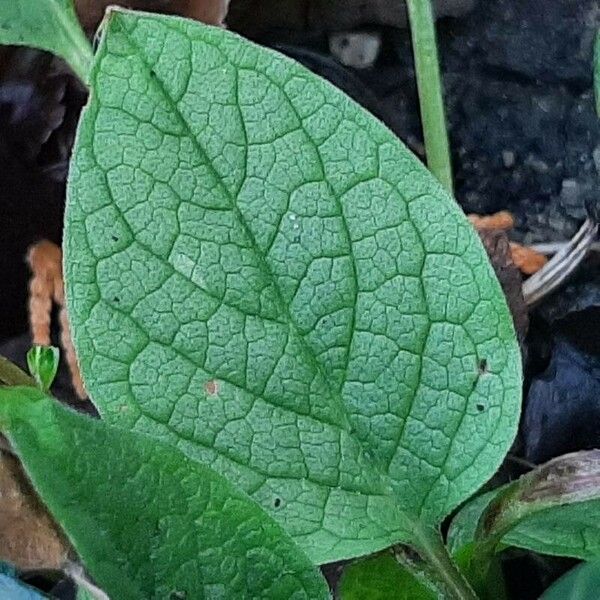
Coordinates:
[259,272]
[381,578]
[147,521]
[554,509]
[580,583]
[42,362]
[51,25]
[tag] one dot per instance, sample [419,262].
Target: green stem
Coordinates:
[10,374]
[429,83]
[432,549]
[484,554]
[81,53]
[413,563]
[81,58]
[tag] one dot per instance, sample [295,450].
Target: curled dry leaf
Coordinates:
[554,509]
[498,248]
[570,478]
[567,481]
[29,538]
[213,12]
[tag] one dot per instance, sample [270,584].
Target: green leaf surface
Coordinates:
[571,530]
[260,273]
[147,521]
[381,578]
[51,25]
[554,509]
[580,583]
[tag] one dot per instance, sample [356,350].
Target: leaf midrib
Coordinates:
[284,307]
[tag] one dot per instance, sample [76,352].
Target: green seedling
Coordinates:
[42,362]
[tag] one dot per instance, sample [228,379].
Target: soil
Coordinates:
[525,137]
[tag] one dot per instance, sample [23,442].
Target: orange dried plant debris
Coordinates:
[500,220]
[526,259]
[46,288]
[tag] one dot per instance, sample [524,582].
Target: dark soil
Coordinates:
[39,107]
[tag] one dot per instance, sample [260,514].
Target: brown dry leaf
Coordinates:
[527,260]
[29,538]
[498,248]
[500,220]
[212,12]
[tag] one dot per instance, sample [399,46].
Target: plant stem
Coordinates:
[81,57]
[427,69]
[10,374]
[81,53]
[414,564]
[432,549]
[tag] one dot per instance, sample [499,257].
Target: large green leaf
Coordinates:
[580,583]
[147,521]
[554,509]
[259,272]
[47,24]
